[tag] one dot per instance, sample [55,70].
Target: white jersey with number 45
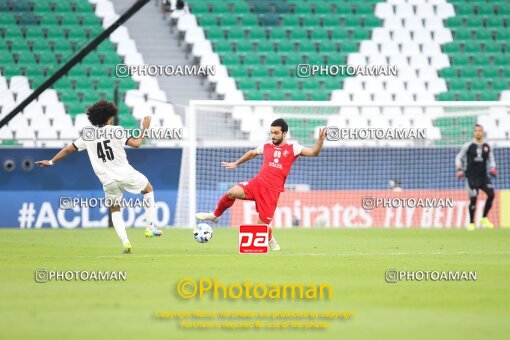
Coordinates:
[107,155]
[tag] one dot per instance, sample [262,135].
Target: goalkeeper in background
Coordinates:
[473,161]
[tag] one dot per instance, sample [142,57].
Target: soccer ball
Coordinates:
[202,233]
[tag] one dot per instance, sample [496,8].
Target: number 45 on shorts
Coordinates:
[253,239]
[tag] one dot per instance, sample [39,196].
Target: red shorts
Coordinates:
[265,199]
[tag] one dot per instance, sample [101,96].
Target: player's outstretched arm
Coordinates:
[316,150]
[61,154]
[136,142]
[246,157]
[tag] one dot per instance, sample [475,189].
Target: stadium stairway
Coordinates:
[159,47]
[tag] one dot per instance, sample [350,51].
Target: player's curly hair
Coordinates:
[100,112]
[281,123]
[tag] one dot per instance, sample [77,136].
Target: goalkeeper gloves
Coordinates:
[494,172]
[460,174]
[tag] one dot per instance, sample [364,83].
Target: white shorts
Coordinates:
[133,184]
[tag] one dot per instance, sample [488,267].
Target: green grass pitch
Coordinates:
[352,261]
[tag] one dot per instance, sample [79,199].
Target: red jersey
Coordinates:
[277,163]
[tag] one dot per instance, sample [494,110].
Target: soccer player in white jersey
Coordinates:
[108,158]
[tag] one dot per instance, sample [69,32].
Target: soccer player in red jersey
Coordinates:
[265,188]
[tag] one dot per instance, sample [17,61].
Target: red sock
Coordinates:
[223,204]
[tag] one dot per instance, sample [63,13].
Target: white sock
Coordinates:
[149,209]
[120,226]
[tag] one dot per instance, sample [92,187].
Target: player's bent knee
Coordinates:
[114,209]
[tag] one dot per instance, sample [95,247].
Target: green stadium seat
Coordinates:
[90,21]
[241,7]
[469,71]
[253,95]
[289,84]
[20,6]
[229,59]
[215,33]
[318,95]
[500,84]
[7,19]
[488,96]
[472,47]
[251,59]
[291,21]
[319,34]
[501,59]
[281,72]
[340,34]
[477,84]
[55,33]
[267,84]
[446,96]
[265,46]
[490,71]
[258,72]
[331,83]
[244,46]
[314,59]
[452,47]
[480,59]
[206,20]
[343,9]
[81,6]
[352,21]
[361,34]
[272,59]
[277,95]
[34,71]
[27,19]
[349,47]
[330,22]
[482,34]
[299,33]
[307,47]
[462,33]
[237,71]
[455,22]
[327,47]
[220,7]
[269,19]
[457,84]
[312,21]
[278,33]
[302,8]
[222,46]
[249,20]
[285,46]
[494,21]
[492,47]
[322,8]
[311,83]
[198,7]
[293,60]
